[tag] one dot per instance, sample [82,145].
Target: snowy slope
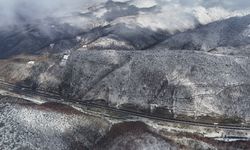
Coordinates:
[128,25]
[233,33]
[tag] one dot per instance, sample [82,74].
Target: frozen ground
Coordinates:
[28,126]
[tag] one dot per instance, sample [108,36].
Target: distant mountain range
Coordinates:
[114,25]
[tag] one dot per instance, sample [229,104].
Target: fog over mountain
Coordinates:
[125,74]
[180,14]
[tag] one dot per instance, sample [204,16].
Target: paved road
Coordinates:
[24,90]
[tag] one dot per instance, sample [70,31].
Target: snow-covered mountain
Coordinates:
[127,25]
[60,44]
[232,33]
[177,59]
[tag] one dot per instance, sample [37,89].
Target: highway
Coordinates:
[25,90]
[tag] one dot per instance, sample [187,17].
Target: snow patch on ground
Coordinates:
[29,128]
[64,60]
[144,4]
